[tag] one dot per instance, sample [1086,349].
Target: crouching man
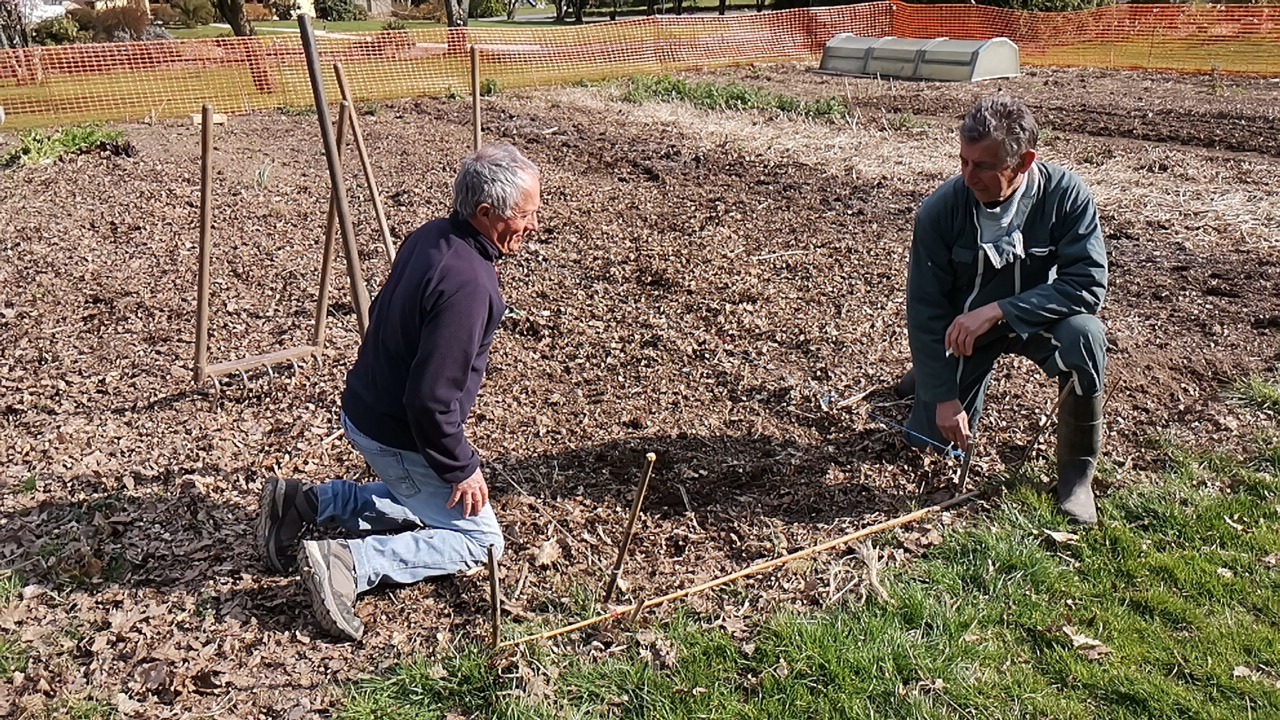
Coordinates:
[405,407]
[1008,257]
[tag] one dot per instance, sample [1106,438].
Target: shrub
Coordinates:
[487,8]
[164,14]
[57,31]
[284,9]
[155,32]
[430,11]
[394,25]
[340,10]
[86,19]
[259,13]
[122,24]
[194,13]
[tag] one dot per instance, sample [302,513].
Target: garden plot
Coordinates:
[724,289]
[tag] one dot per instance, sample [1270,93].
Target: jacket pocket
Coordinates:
[964,255]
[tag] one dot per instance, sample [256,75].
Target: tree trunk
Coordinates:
[561,7]
[578,5]
[13,30]
[232,11]
[679,6]
[455,12]
[726,2]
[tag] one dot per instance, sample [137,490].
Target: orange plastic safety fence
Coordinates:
[1194,38]
[133,81]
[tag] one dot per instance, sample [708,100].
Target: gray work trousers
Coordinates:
[1075,346]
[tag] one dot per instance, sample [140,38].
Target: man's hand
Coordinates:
[953,423]
[966,329]
[473,492]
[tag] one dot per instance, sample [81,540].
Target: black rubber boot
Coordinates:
[1079,440]
[906,386]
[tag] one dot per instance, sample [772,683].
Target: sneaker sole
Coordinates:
[315,575]
[268,503]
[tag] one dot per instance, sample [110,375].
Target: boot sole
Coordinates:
[268,503]
[315,575]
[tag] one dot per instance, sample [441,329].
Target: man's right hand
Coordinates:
[473,492]
[953,423]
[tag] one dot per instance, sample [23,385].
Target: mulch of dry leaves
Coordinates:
[722,289]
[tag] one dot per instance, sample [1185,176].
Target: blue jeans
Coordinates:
[409,501]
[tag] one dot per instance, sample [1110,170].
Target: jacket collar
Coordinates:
[463,228]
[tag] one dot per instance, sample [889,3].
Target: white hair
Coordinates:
[495,175]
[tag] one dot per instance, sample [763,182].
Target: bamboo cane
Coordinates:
[359,293]
[871,530]
[206,229]
[330,233]
[475,97]
[365,165]
[495,599]
[1044,426]
[625,543]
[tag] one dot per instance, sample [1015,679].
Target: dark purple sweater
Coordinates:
[424,355]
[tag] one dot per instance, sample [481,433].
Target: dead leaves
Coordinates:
[1088,647]
[547,554]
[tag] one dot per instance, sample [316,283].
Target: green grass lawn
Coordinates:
[1169,609]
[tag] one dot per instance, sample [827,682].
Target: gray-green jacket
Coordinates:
[1064,272]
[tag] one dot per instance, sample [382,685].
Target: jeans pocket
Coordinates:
[390,468]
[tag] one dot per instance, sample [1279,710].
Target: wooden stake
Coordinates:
[495,599]
[330,233]
[364,163]
[206,229]
[625,543]
[880,527]
[475,96]
[359,294]
[1053,411]
[635,612]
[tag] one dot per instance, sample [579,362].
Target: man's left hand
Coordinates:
[966,329]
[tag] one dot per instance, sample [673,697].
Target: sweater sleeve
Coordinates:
[450,341]
[1081,281]
[929,283]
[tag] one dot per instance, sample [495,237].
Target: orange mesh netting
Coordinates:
[133,81]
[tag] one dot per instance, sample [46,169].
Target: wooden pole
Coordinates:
[858,535]
[495,599]
[625,543]
[359,294]
[475,97]
[1053,411]
[206,229]
[358,135]
[330,233]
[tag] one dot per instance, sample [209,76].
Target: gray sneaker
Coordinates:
[285,509]
[328,571]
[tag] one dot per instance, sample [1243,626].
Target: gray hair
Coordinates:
[494,175]
[1005,119]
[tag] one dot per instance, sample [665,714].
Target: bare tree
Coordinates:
[455,12]
[232,11]
[13,27]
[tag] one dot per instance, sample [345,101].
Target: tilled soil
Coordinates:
[722,289]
